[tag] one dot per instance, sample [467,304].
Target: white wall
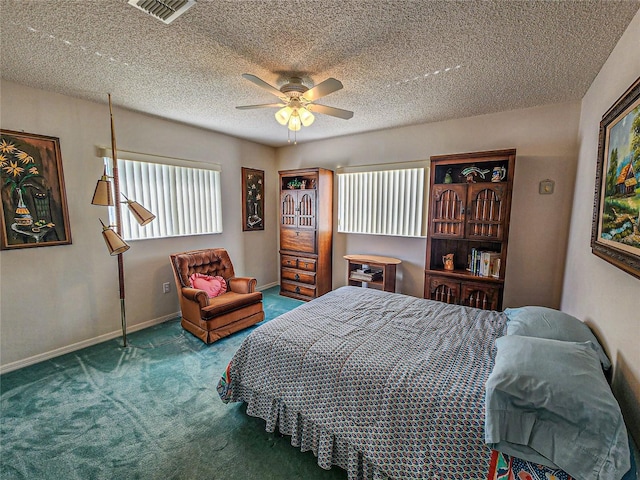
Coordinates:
[53,298]
[595,291]
[546,142]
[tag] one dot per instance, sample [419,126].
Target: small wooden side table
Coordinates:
[386,264]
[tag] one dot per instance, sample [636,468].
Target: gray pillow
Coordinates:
[548,402]
[543,322]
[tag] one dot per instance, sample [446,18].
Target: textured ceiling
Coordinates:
[401,62]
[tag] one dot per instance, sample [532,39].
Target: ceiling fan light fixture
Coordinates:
[283,115]
[297,101]
[294,122]
[306,117]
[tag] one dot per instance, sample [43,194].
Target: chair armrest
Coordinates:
[242,284]
[196,295]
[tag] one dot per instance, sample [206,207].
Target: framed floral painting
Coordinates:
[252,199]
[615,234]
[34,202]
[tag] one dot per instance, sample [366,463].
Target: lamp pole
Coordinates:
[116,194]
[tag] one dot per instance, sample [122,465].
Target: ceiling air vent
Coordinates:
[165,10]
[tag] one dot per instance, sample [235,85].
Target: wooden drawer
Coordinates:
[298,240]
[292,287]
[308,264]
[298,276]
[288,261]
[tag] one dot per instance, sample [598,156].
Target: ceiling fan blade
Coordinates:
[330,85]
[334,112]
[262,105]
[262,84]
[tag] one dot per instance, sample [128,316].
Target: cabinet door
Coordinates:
[448,210]
[298,240]
[298,209]
[306,209]
[443,289]
[480,296]
[288,203]
[486,211]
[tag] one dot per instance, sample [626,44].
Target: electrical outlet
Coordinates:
[166,287]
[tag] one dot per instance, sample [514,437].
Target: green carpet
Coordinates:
[148,411]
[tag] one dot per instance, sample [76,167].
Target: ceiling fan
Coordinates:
[297,101]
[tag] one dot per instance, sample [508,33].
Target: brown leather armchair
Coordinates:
[211,319]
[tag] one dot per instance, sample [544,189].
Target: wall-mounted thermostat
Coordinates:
[546,187]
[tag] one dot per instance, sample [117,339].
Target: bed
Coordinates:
[383,385]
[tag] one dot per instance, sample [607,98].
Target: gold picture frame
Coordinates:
[34,202]
[615,233]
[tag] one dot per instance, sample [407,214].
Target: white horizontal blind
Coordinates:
[185,200]
[387,202]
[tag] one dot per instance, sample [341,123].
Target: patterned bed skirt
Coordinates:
[307,435]
[504,467]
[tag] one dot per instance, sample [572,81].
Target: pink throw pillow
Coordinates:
[214,286]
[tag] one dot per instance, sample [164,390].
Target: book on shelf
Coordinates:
[362,270]
[484,263]
[370,276]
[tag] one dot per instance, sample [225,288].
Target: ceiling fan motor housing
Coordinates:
[295,88]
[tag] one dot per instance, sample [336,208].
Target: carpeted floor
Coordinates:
[149,411]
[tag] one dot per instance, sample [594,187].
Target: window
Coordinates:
[382,201]
[185,196]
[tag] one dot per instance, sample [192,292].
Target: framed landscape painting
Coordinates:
[615,234]
[252,199]
[34,203]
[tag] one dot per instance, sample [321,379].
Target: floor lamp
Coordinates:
[113,239]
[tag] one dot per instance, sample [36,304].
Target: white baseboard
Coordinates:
[85,343]
[268,285]
[41,357]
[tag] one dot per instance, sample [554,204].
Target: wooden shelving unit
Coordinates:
[469,210]
[306,232]
[386,264]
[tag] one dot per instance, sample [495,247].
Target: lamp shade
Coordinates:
[283,115]
[306,117]
[141,214]
[115,243]
[294,122]
[102,194]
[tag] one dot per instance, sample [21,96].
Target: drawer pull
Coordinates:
[297,233]
[297,277]
[297,289]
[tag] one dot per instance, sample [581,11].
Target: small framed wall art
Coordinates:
[252,199]
[34,202]
[615,233]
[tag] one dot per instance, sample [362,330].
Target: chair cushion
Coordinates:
[214,286]
[212,262]
[228,302]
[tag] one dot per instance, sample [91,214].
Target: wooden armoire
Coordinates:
[306,232]
[469,212]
